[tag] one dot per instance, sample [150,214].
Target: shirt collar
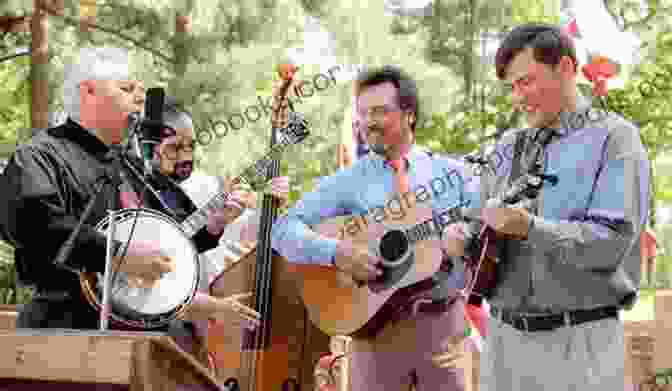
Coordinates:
[86,139]
[569,119]
[414,152]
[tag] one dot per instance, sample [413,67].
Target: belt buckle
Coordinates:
[567,317]
[526,325]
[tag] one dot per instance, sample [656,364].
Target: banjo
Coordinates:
[151,308]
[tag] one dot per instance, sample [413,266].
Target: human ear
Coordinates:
[567,66]
[87,87]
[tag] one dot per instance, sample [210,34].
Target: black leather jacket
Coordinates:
[45,189]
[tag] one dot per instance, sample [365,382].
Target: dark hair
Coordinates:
[549,44]
[407,90]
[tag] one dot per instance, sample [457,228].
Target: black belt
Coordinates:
[531,323]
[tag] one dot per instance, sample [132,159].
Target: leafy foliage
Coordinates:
[10,292]
[226,64]
[14,98]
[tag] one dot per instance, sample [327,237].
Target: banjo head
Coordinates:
[169,298]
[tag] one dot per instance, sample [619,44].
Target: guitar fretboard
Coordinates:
[253,175]
[428,228]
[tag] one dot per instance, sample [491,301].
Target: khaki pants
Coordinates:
[586,357]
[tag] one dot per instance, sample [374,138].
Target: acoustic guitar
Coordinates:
[410,250]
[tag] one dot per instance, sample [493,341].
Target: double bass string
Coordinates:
[260,338]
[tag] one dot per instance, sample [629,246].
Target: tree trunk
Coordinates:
[652,195]
[39,70]
[87,15]
[182,31]
[472,33]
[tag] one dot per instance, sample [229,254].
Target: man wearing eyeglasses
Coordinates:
[414,347]
[174,157]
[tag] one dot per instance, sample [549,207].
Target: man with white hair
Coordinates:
[50,180]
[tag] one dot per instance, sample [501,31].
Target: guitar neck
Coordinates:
[430,227]
[423,231]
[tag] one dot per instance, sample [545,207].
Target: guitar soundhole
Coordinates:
[393,246]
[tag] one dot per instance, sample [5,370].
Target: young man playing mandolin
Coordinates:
[575,263]
[412,346]
[51,178]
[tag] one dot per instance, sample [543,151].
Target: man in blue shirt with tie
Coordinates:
[408,348]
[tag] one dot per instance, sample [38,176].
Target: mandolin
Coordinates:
[481,240]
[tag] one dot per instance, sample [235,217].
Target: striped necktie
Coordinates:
[400,175]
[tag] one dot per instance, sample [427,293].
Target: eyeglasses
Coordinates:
[171,151]
[378,112]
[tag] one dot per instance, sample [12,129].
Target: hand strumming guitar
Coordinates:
[356,263]
[144,263]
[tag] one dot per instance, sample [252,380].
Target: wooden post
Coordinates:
[87,14]
[181,51]
[39,70]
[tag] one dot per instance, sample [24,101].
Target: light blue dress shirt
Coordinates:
[369,183]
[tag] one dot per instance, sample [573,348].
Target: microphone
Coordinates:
[150,126]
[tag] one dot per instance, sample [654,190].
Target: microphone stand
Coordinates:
[67,247]
[107,276]
[116,155]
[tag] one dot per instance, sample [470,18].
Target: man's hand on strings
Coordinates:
[145,264]
[241,197]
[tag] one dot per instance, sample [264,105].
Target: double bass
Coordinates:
[282,352]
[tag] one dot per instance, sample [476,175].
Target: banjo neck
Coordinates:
[197,220]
